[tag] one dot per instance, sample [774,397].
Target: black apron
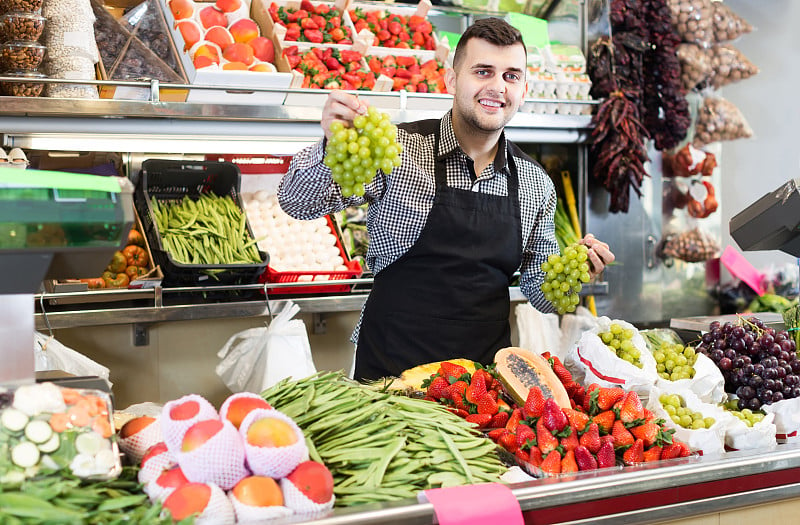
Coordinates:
[447,297]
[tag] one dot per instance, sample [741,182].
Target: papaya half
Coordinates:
[519,370]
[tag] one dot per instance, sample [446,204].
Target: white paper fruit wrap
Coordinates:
[155,465]
[136,445]
[708,441]
[299,502]
[599,364]
[218,511]
[787,419]
[250,513]
[223,410]
[707,383]
[760,436]
[274,462]
[220,460]
[173,430]
[157,492]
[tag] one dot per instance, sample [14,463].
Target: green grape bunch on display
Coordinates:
[355,154]
[564,277]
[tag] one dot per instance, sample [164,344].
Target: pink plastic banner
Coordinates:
[475,505]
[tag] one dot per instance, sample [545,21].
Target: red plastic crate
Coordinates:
[353,272]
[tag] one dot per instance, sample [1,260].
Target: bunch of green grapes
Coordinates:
[747,416]
[564,276]
[620,341]
[356,153]
[674,361]
[681,415]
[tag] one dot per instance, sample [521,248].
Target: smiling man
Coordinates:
[449,226]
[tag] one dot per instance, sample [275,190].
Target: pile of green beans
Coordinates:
[61,499]
[211,230]
[382,447]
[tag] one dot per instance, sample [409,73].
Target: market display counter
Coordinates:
[702,487]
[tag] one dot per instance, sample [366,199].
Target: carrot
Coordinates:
[70,395]
[99,405]
[102,426]
[79,415]
[59,422]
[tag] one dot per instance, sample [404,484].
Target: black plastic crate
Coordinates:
[171,180]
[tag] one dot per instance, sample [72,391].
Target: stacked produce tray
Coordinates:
[166,181]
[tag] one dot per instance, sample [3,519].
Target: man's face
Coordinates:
[489,85]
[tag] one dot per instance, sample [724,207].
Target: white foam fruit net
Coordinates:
[136,445]
[219,510]
[174,429]
[274,462]
[157,492]
[252,513]
[299,502]
[155,465]
[220,460]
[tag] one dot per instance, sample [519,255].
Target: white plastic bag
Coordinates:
[760,436]
[572,327]
[710,441]
[255,359]
[50,354]
[538,332]
[707,383]
[787,419]
[600,365]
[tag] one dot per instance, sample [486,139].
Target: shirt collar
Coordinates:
[448,143]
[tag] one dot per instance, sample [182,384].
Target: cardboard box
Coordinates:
[223,79]
[259,11]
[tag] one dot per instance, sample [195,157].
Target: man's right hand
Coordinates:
[343,106]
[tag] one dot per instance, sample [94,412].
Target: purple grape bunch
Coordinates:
[759,364]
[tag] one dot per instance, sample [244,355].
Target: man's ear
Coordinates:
[450,80]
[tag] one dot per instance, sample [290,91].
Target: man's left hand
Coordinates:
[599,254]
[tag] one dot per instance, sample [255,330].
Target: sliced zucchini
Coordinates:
[13,420]
[90,443]
[25,454]
[51,445]
[38,431]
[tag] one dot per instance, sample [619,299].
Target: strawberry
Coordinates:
[535,457]
[577,420]
[476,388]
[587,398]
[534,404]
[458,401]
[552,463]
[585,459]
[458,387]
[578,396]
[437,387]
[487,405]
[522,456]
[495,433]
[622,436]
[514,419]
[671,451]
[605,456]
[570,442]
[635,454]
[606,397]
[568,463]
[508,442]
[647,432]
[648,416]
[499,420]
[591,438]
[632,408]
[685,450]
[605,420]
[459,412]
[561,371]
[608,438]
[544,438]
[448,369]
[481,420]
[652,454]
[554,418]
[526,438]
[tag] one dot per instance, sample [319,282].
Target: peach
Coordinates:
[234,66]
[220,36]
[210,16]
[241,405]
[263,49]
[191,32]
[263,67]
[228,6]
[197,434]
[185,410]
[203,61]
[244,30]
[181,9]
[155,450]
[239,53]
[206,53]
[314,480]
[258,491]
[172,478]
[271,432]
[188,500]
[135,425]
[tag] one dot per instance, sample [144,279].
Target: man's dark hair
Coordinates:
[494,30]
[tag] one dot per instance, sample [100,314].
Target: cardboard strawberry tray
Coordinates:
[304,21]
[395,26]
